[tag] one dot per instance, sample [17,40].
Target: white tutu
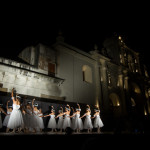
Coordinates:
[29,119]
[52,122]
[0,121]
[66,122]
[98,122]
[5,122]
[36,120]
[60,122]
[16,119]
[88,122]
[41,123]
[78,122]
[73,122]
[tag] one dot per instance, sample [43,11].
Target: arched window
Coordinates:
[146,94]
[87,74]
[114,98]
[131,63]
[132,102]
[145,112]
[136,88]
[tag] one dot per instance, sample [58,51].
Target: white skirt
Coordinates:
[5,122]
[78,123]
[38,122]
[52,123]
[41,123]
[73,123]
[98,122]
[15,120]
[67,122]
[60,123]
[88,123]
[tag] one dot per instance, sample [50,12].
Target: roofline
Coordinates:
[73,48]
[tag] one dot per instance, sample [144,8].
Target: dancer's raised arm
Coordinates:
[78,106]
[88,106]
[33,103]
[12,95]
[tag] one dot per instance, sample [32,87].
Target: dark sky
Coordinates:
[81,27]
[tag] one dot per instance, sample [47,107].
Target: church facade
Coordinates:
[113,78]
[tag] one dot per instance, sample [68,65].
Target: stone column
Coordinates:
[123,96]
[104,86]
[98,98]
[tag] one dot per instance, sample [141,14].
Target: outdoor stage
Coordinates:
[81,141]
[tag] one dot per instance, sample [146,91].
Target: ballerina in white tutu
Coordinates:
[67,121]
[9,111]
[41,123]
[87,122]
[60,120]
[78,120]
[1,111]
[35,118]
[52,120]
[78,124]
[97,121]
[38,121]
[28,117]
[16,119]
[73,119]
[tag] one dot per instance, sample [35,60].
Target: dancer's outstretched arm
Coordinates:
[83,116]
[72,115]
[3,111]
[47,115]
[59,115]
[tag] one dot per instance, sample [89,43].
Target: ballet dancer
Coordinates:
[78,120]
[29,118]
[41,123]
[97,121]
[52,120]
[67,121]
[35,116]
[73,119]
[60,120]
[16,119]
[9,111]
[87,122]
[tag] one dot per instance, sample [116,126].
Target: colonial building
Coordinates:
[113,78]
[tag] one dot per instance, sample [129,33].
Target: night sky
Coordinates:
[81,28]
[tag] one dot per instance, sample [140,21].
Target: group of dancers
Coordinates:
[27,117]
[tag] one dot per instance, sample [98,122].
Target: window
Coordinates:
[87,74]
[51,69]
[133,102]
[121,59]
[114,99]
[146,73]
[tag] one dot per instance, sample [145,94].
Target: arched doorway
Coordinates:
[115,104]
[115,109]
